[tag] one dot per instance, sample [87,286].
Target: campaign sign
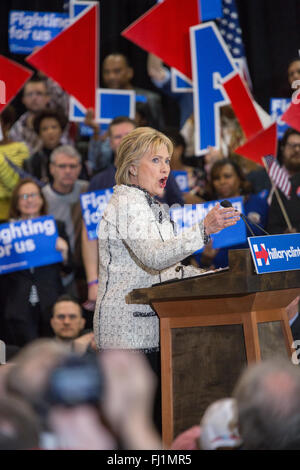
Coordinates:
[76,8]
[93,204]
[181,178]
[109,104]
[30,29]
[112,103]
[28,243]
[275,253]
[278,106]
[189,215]
[211,62]
[180,83]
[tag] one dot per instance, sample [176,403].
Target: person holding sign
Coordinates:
[284,213]
[30,293]
[138,246]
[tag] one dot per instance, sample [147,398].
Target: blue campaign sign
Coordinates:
[109,104]
[28,243]
[278,106]
[30,29]
[191,214]
[93,204]
[210,9]
[211,62]
[77,112]
[180,83]
[181,178]
[77,7]
[112,103]
[275,253]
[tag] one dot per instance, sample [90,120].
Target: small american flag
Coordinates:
[278,175]
[229,27]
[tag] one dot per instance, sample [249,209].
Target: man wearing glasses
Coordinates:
[68,325]
[63,198]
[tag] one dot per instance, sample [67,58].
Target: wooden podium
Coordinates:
[211,327]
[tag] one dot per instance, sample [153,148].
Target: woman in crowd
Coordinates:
[227,180]
[49,125]
[138,246]
[30,293]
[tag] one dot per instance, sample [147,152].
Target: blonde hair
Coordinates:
[134,146]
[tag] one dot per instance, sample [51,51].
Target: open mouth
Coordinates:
[163,182]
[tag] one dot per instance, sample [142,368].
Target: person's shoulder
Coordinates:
[126,195]
[260,172]
[20,147]
[21,119]
[99,180]
[296,178]
[46,188]
[82,185]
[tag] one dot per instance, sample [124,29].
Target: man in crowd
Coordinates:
[118,74]
[63,198]
[290,150]
[67,321]
[68,325]
[35,98]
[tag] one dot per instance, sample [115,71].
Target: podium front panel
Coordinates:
[207,361]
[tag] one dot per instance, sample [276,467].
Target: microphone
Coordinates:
[227,203]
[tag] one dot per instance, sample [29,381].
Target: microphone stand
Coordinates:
[226,203]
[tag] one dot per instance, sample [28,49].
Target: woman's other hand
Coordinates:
[62,246]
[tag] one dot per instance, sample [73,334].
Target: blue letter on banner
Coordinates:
[210,9]
[210,62]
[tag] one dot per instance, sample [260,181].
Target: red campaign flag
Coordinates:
[13,77]
[243,105]
[164,31]
[292,116]
[262,143]
[278,175]
[71,58]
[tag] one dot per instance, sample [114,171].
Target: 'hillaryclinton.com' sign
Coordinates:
[275,253]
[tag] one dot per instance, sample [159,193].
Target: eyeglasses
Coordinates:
[62,316]
[27,196]
[63,166]
[292,146]
[37,93]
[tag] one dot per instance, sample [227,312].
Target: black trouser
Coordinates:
[154,361]
[31,325]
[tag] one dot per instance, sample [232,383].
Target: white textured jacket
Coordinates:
[138,247]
